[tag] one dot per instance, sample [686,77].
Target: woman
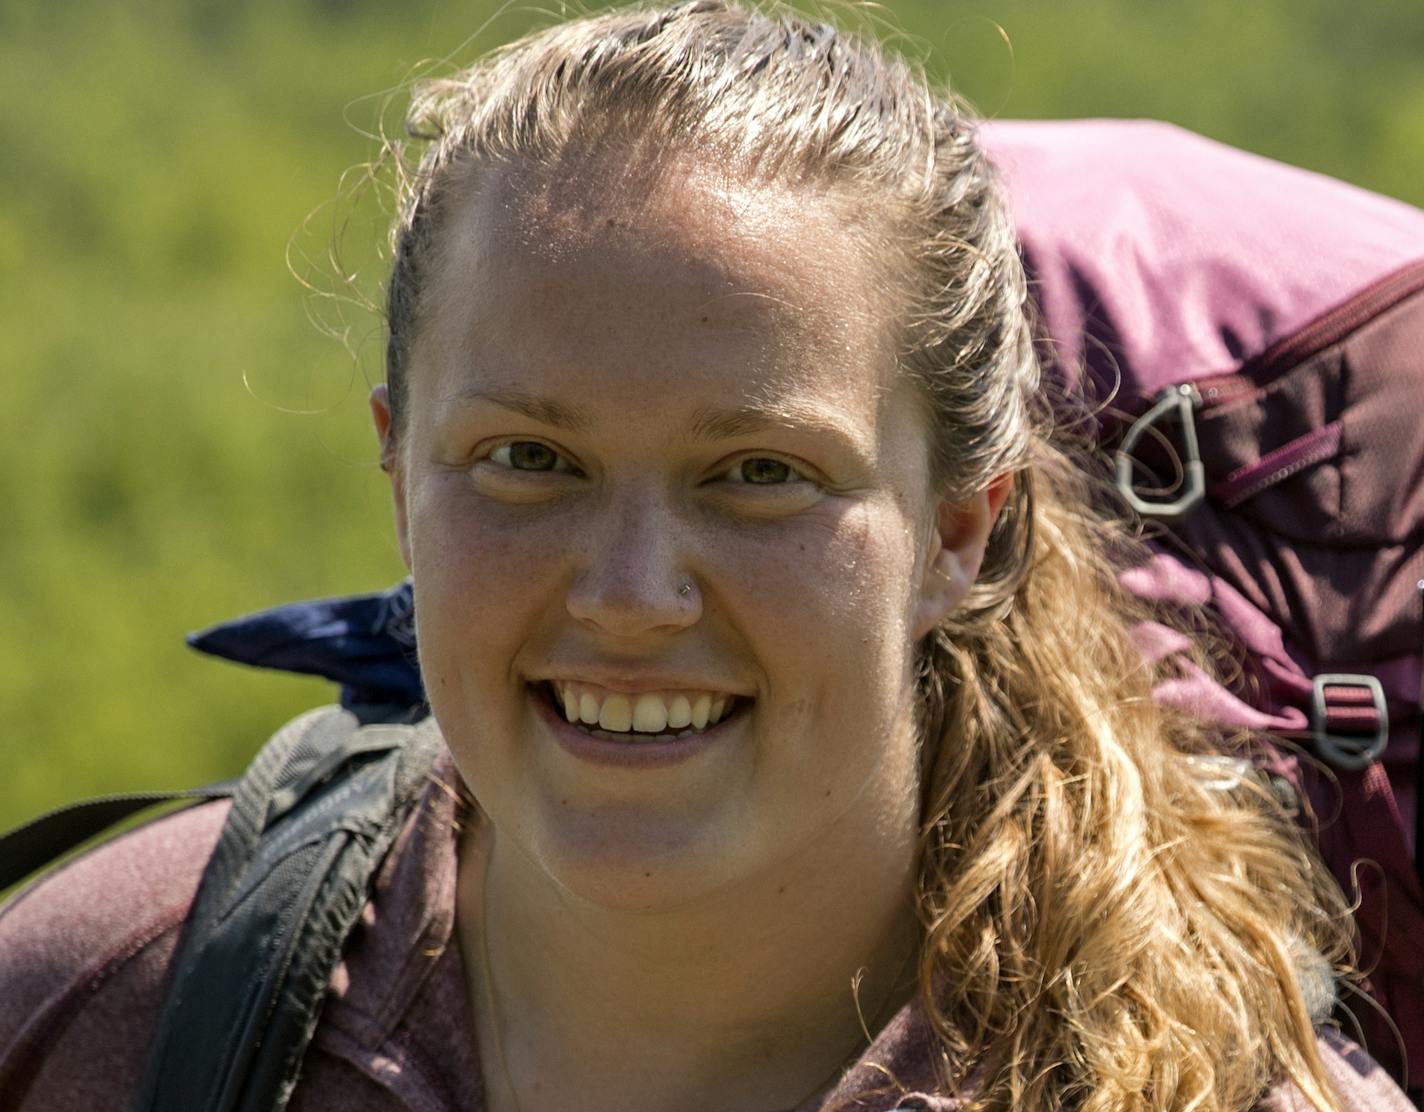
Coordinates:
[775,642]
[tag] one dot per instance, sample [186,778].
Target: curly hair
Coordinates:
[1106,923]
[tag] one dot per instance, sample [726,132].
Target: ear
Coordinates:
[392,464]
[957,543]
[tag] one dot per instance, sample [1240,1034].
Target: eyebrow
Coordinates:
[534,406]
[708,422]
[726,424]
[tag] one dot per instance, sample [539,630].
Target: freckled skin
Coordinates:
[697,294]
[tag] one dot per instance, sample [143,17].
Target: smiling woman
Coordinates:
[708,400]
[799,755]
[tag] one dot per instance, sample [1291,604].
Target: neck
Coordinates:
[748,999]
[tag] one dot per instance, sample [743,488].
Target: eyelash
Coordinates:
[562,466]
[795,474]
[502,456]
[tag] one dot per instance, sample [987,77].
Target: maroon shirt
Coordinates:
[84,956]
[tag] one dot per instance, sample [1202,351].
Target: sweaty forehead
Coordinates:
[800,256]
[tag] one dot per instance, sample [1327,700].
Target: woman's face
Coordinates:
[656,469]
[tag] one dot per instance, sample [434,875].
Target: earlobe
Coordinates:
[957,543]
[391,464]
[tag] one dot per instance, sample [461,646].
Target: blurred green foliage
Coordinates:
[185,440]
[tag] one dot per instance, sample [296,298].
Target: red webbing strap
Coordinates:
[1369,846]
[1350,710]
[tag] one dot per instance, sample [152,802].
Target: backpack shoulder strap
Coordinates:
[311,821]
[44,840]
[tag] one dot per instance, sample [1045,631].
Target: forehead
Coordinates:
[650,292]
[793,258]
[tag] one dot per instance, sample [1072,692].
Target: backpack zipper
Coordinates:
[1214,392]
[1258,372]
[1324,331]
[1329,329]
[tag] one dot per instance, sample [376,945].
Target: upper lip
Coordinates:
[631,682]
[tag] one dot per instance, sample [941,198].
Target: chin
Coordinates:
[625,858]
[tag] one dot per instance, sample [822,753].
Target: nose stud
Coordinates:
[685,590]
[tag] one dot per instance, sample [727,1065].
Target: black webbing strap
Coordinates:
[43,840]
[310,823]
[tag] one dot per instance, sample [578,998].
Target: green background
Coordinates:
[184,425]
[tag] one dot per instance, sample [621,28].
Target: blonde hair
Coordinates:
[1111,920]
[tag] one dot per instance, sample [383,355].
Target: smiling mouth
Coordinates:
[644,717]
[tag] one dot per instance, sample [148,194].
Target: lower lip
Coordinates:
[629,754]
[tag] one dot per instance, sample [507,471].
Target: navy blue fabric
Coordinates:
[365,643]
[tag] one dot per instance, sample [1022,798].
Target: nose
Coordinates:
[632,577]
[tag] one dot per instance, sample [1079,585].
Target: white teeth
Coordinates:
[679,713]
[650,714]
[617,713]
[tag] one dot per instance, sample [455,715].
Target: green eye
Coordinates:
[763,472]
[529,455]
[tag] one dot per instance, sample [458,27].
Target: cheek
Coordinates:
[482,573]
[826,606]
[846,569]
[839,664]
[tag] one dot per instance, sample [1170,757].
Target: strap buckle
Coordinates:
[1353,751]
[1184,399]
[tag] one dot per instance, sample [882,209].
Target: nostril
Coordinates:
[633,597]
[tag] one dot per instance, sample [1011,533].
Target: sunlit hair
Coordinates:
[1111,918]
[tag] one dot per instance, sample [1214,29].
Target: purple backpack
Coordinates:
[1266,325]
